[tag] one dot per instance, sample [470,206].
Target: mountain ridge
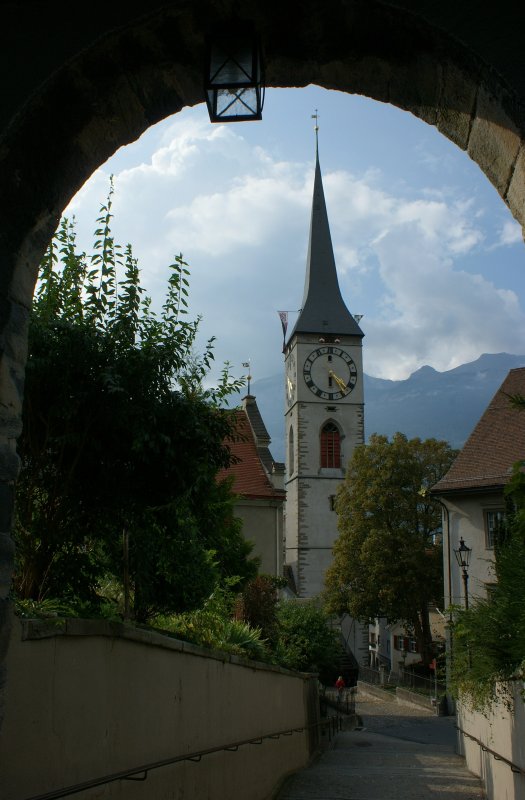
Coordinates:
[443,405]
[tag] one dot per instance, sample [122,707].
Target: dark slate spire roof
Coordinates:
[323,309]
[260,435]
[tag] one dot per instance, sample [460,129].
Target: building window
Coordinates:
[400,643]
[330,446]
[290,452]
[406,643]
[493,524]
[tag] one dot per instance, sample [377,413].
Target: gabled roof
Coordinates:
[323,309]
[250,478]
[495,444]
[260,435]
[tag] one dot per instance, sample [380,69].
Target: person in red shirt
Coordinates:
[340,685]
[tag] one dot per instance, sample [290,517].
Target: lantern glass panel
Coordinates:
[236,103]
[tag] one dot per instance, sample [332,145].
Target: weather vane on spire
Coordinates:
[246,365]
[316,128]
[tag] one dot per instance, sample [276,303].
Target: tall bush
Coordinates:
[121,441]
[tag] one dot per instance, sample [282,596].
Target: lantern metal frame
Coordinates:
[463,553]
[234,75]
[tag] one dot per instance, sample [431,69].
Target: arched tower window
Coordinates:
[330,446]
[290,452]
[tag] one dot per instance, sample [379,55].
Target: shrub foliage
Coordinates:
[120,440]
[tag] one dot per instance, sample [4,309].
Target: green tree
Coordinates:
[257,605]
[120,437]
[387,558]
[306,641]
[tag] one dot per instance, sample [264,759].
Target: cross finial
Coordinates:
[316,129]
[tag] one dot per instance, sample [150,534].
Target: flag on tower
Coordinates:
[283,315]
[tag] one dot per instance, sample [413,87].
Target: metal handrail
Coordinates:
[496,756]
[332,723]
[344,702]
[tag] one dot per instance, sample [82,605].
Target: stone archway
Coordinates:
[82,89]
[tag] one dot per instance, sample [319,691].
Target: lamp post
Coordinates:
[233,83]
[462,554]
[425,492]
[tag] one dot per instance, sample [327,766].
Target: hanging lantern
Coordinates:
[462,554]
[234,82]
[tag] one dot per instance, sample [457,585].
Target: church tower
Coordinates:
[324,416]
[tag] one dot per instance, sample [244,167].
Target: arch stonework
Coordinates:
[76,91]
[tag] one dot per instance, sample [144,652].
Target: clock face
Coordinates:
[330,373]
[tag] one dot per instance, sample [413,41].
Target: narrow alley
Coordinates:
[401,752]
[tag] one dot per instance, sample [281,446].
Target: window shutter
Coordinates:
[330,446]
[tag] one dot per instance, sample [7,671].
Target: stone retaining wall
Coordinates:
[501,730]
[89,698]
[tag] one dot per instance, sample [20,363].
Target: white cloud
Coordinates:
[436,313]
[240,216]
[510,233]
[249,213]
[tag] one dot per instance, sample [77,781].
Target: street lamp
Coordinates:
[233,82]
[463,558]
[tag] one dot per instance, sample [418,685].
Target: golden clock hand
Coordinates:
[340,382]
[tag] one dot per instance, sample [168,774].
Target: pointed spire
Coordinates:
[323,308]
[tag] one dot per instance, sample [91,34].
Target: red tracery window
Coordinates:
[330,446]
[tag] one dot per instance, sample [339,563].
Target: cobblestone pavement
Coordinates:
[400,753]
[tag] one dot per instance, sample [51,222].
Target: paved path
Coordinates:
[401,753]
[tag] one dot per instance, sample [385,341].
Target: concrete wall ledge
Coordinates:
[414,698]
[375,691]
[35,629]
[399,696]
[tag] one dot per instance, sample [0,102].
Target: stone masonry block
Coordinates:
[416,87]
[494,141]
[9,464]
[7,501]
[16,334]
[10,425]
[28,259]
[516,192]
[11,381]
[456,105]
[368,76]
[7,557]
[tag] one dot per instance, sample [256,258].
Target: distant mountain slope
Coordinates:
[444,405]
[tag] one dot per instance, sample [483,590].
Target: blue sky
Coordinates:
[426,250]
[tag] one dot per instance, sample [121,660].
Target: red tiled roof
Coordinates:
[495,444]
[250,477]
